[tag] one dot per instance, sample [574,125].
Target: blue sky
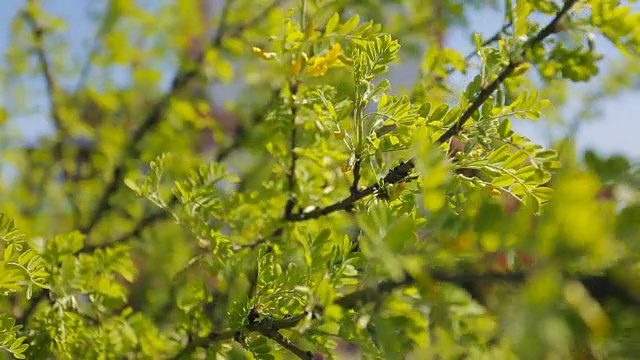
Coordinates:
[616,131]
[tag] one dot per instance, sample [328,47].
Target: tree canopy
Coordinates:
[317,211]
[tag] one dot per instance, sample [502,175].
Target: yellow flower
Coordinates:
[320,64]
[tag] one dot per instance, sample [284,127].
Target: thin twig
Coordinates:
[276,233]
[495,37]
[132,151]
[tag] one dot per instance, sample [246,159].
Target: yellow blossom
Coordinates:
[265,55]
[320,64]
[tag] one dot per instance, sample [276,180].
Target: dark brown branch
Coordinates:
[368,295]
[398,174]
[276,336]
[291,176]
[251,246]
[357,165]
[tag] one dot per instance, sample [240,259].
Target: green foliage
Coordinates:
[21,269]
[322,207]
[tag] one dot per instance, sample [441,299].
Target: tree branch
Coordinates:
[135,232]
[276,336]
[398,174]
[291,176]
[222,27]
[260,326]
[356,175]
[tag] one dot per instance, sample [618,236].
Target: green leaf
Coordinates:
[349,25]
[332,23]
[526,171]
[439,112]
[515,160]
[503,181]
[543,193]
[499,155]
